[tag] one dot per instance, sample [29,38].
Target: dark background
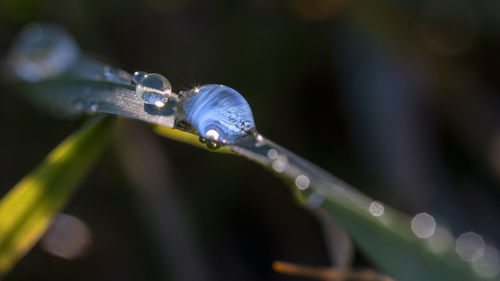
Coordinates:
[398,98]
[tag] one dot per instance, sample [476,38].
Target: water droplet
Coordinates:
[302,182]
[137,76]
[470,246]
[220,109]
[68,237]
[42,51]
[280,164]
[202,140]
[423,225]
[376,209]
[272,154]
[212,145]
[153,89]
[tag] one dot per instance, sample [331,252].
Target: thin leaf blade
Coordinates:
[26,211]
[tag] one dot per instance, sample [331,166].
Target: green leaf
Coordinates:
[387,240]
[26,211]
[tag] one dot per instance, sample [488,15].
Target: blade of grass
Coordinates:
[387,240]
[26,211]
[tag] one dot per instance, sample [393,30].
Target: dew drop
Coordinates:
[216,112]
[152,88]
[42,51]
[212,145]
[137,76]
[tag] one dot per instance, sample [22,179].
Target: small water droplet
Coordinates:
[42,51]
[153,89]
[280,164]
[203,140]
[376,209]
[302,182]
[212,145]
[137,76]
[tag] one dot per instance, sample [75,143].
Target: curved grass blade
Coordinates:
[26,211]
[386,239]
[89,86]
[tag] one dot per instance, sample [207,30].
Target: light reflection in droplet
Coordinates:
[470,246]
[423,225]
[376,209]
[212,134]
[302,182]
[272,154]
[441,241]
[280,164]
[488,266]
[68,237]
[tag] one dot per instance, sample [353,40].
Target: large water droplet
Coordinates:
[152,88]
[42,51]
[217,113]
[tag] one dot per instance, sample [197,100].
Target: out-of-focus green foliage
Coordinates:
[26,211]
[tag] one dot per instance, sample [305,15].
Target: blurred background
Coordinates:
[398,98]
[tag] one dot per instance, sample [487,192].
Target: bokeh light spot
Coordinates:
[423,225]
